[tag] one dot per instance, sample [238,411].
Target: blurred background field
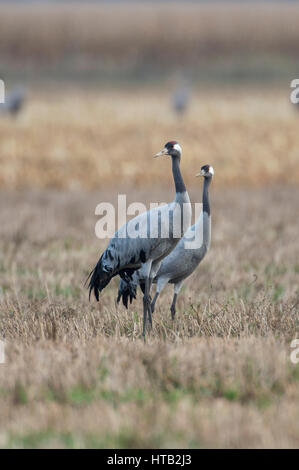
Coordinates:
[100,78]
[117,41]
[100,83]
[88,139]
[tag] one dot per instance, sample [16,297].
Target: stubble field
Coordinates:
[84,138]
[77,374]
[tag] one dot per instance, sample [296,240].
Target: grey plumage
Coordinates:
[14,101]
[124,254]
[183,260]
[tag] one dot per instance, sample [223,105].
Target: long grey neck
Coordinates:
[177,176]
[205,196]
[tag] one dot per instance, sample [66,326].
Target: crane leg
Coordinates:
[154,302]
[144,317]
[161,283]
[172,308]
[147,312]
[150,299]
[177,288]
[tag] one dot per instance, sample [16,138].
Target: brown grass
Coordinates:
[77,374]
[76,139]
[163,34]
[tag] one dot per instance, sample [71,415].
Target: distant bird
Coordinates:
[14,101]
[124,254]
[181,99]
[184,259]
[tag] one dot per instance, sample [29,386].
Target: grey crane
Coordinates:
[14,101]
[181,99]
[184,259]
[160,229]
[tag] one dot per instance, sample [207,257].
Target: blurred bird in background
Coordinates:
[14,101]
[181,96]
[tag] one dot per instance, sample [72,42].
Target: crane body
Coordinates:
[183,260]
[126,254]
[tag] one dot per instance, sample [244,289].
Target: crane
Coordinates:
[14,101]
[183,260]
[160,228]
[180,99]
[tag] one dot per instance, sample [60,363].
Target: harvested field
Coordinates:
[90,139]
[77,374]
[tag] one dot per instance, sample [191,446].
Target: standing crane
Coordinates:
[184,259]
[124,254]
[14,101]
[181,99]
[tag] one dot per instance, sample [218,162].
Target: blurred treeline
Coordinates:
[217,41]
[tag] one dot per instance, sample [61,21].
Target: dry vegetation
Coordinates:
[90,139]
[77,374]
[165,34]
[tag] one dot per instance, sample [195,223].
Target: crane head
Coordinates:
[207,171]
[171,148]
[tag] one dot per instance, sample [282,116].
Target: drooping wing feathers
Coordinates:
[123,256]
[126,292]
[99,278]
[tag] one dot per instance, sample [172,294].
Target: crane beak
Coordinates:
[201,173]
[163,152]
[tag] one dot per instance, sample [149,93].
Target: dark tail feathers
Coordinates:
[126,290]
[99,278]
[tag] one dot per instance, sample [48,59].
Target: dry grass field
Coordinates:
[77,374]
[79,138]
